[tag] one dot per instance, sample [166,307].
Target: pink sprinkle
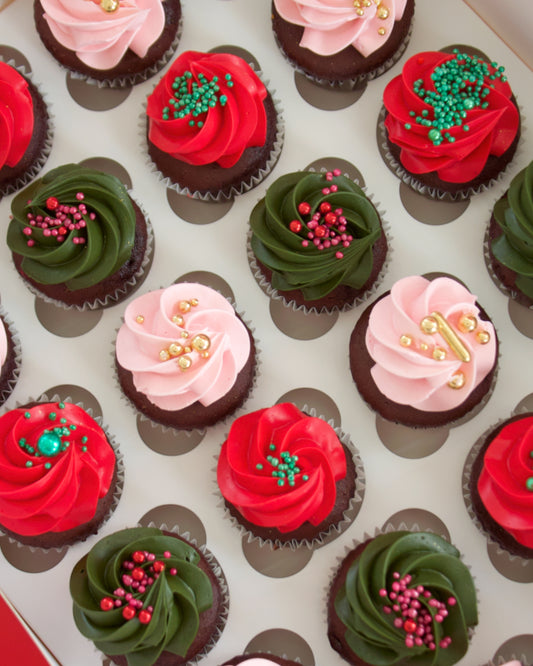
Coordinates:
[335,241]
[409,642]
[128,596]
[30,243]
[118,603]
[433,603]
[173,571]
[313,224]
[80,196]
[419,641]
[412,613]
[60,239]
[342,219]
[452,601]
[395,586]
[310,235]
[305,243]
[150,580]
[334,188]
[150,609]
[431,646]
[72,210]
[325,190]
[120,592]
[329,175]
[135,584]
[39,218]
[383,592]
[336,172]
[29,216]
[77,216]
[387,610]
[82,224]
[327,243]
[427,593]
[339,255]
[47,232]
[127,580]
[92,216]
[167,554]
[398,622]
[396,608]
[320,246]
[27,231]
[316,241]
[438,617]
[420,630]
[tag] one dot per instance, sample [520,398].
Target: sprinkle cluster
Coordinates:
[52,441]
[416,609]
[193,98]
[62,219]
[285,468]
[327,227]
[382,12]
[461,84]
[140,572]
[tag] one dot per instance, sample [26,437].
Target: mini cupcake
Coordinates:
[148,597]
[342,43]
[317,240]
[365,623]
[425,353]
[59,474]
[510,238]
[260,659]
[500,485]
[451,123]
[25,129]
[78,239]
[184,358]
[286,477]
[9,357]
[212,127]
[110,42]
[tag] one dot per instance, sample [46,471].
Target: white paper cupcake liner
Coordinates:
[237,189]
[334,530]
[276,295]
[119,486]
[17,351]
[119,294]
[40,161]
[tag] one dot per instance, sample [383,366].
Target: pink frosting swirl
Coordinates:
[418,368]
[99,38]
[3,343]
[332,25]
[152,346]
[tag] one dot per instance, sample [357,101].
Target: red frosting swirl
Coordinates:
[227,117]
[16,116]
[267,443]
[491,130]
[40,492]
[503,482]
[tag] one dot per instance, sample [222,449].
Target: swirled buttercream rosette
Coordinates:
[498,484]
[167,593]
[61,473]
[317,242]
[184,358]
[211,128]
[289,478]
[133,39]
[10,356]
[26,128]
[438,612]
[79,239]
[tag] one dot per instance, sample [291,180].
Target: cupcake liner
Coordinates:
[356,81]
[334,530]
[237,189]
[117,491]
[122,292]
[502,661]
[467,497]
[434,192]
[17,352]
[25,178]
[199,431]
[276,295]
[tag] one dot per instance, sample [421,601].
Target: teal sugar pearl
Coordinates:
[49,444]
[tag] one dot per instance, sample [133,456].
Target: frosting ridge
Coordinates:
[16,116]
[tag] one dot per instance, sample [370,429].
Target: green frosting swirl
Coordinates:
[315,272]
[432,563]
[86,255]
[177,599]
[514,214]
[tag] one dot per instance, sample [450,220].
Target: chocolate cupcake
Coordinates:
[425,353]
[60,475]
[260,659]
[499,492]
[166,595]
[78,239]
[342,45]
[184,358]
[213,129]
[365,623]
[451,124]
[510,239]
[288,477]
[317,241]
[134,40]
[25,129]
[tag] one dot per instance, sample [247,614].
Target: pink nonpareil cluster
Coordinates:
[62,219]
[414,617]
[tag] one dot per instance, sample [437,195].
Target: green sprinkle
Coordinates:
[407,126]
[259,466]
[29,463]
[84,439]
[52,416]
[47,465]
[529,483]
[305,477]
[84,449]
[62,420]
[27,415]
[61,405]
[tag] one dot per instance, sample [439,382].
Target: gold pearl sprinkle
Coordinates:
[406,340]
[184,362]
[429,325]
[356,3]
[367,3]
[382,12]
[205,354]
[187,350]
[360,12]
[439,354]
[109,5]
[467,323]
[423,346]
[175,349]
[184,306]
[201,342]
[139,319]
[381,31]
[483,337]
[184,334]
[178,319]
[194,302]
[164,355]
[457,381]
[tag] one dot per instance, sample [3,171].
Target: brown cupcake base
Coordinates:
[131,69]
[213,181]
[348,65]
[264,655]
[361,363]
[494,529]
[110,291]
[195,416]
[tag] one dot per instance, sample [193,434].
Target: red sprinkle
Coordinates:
[304,208]
[52,203]
[295,226]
